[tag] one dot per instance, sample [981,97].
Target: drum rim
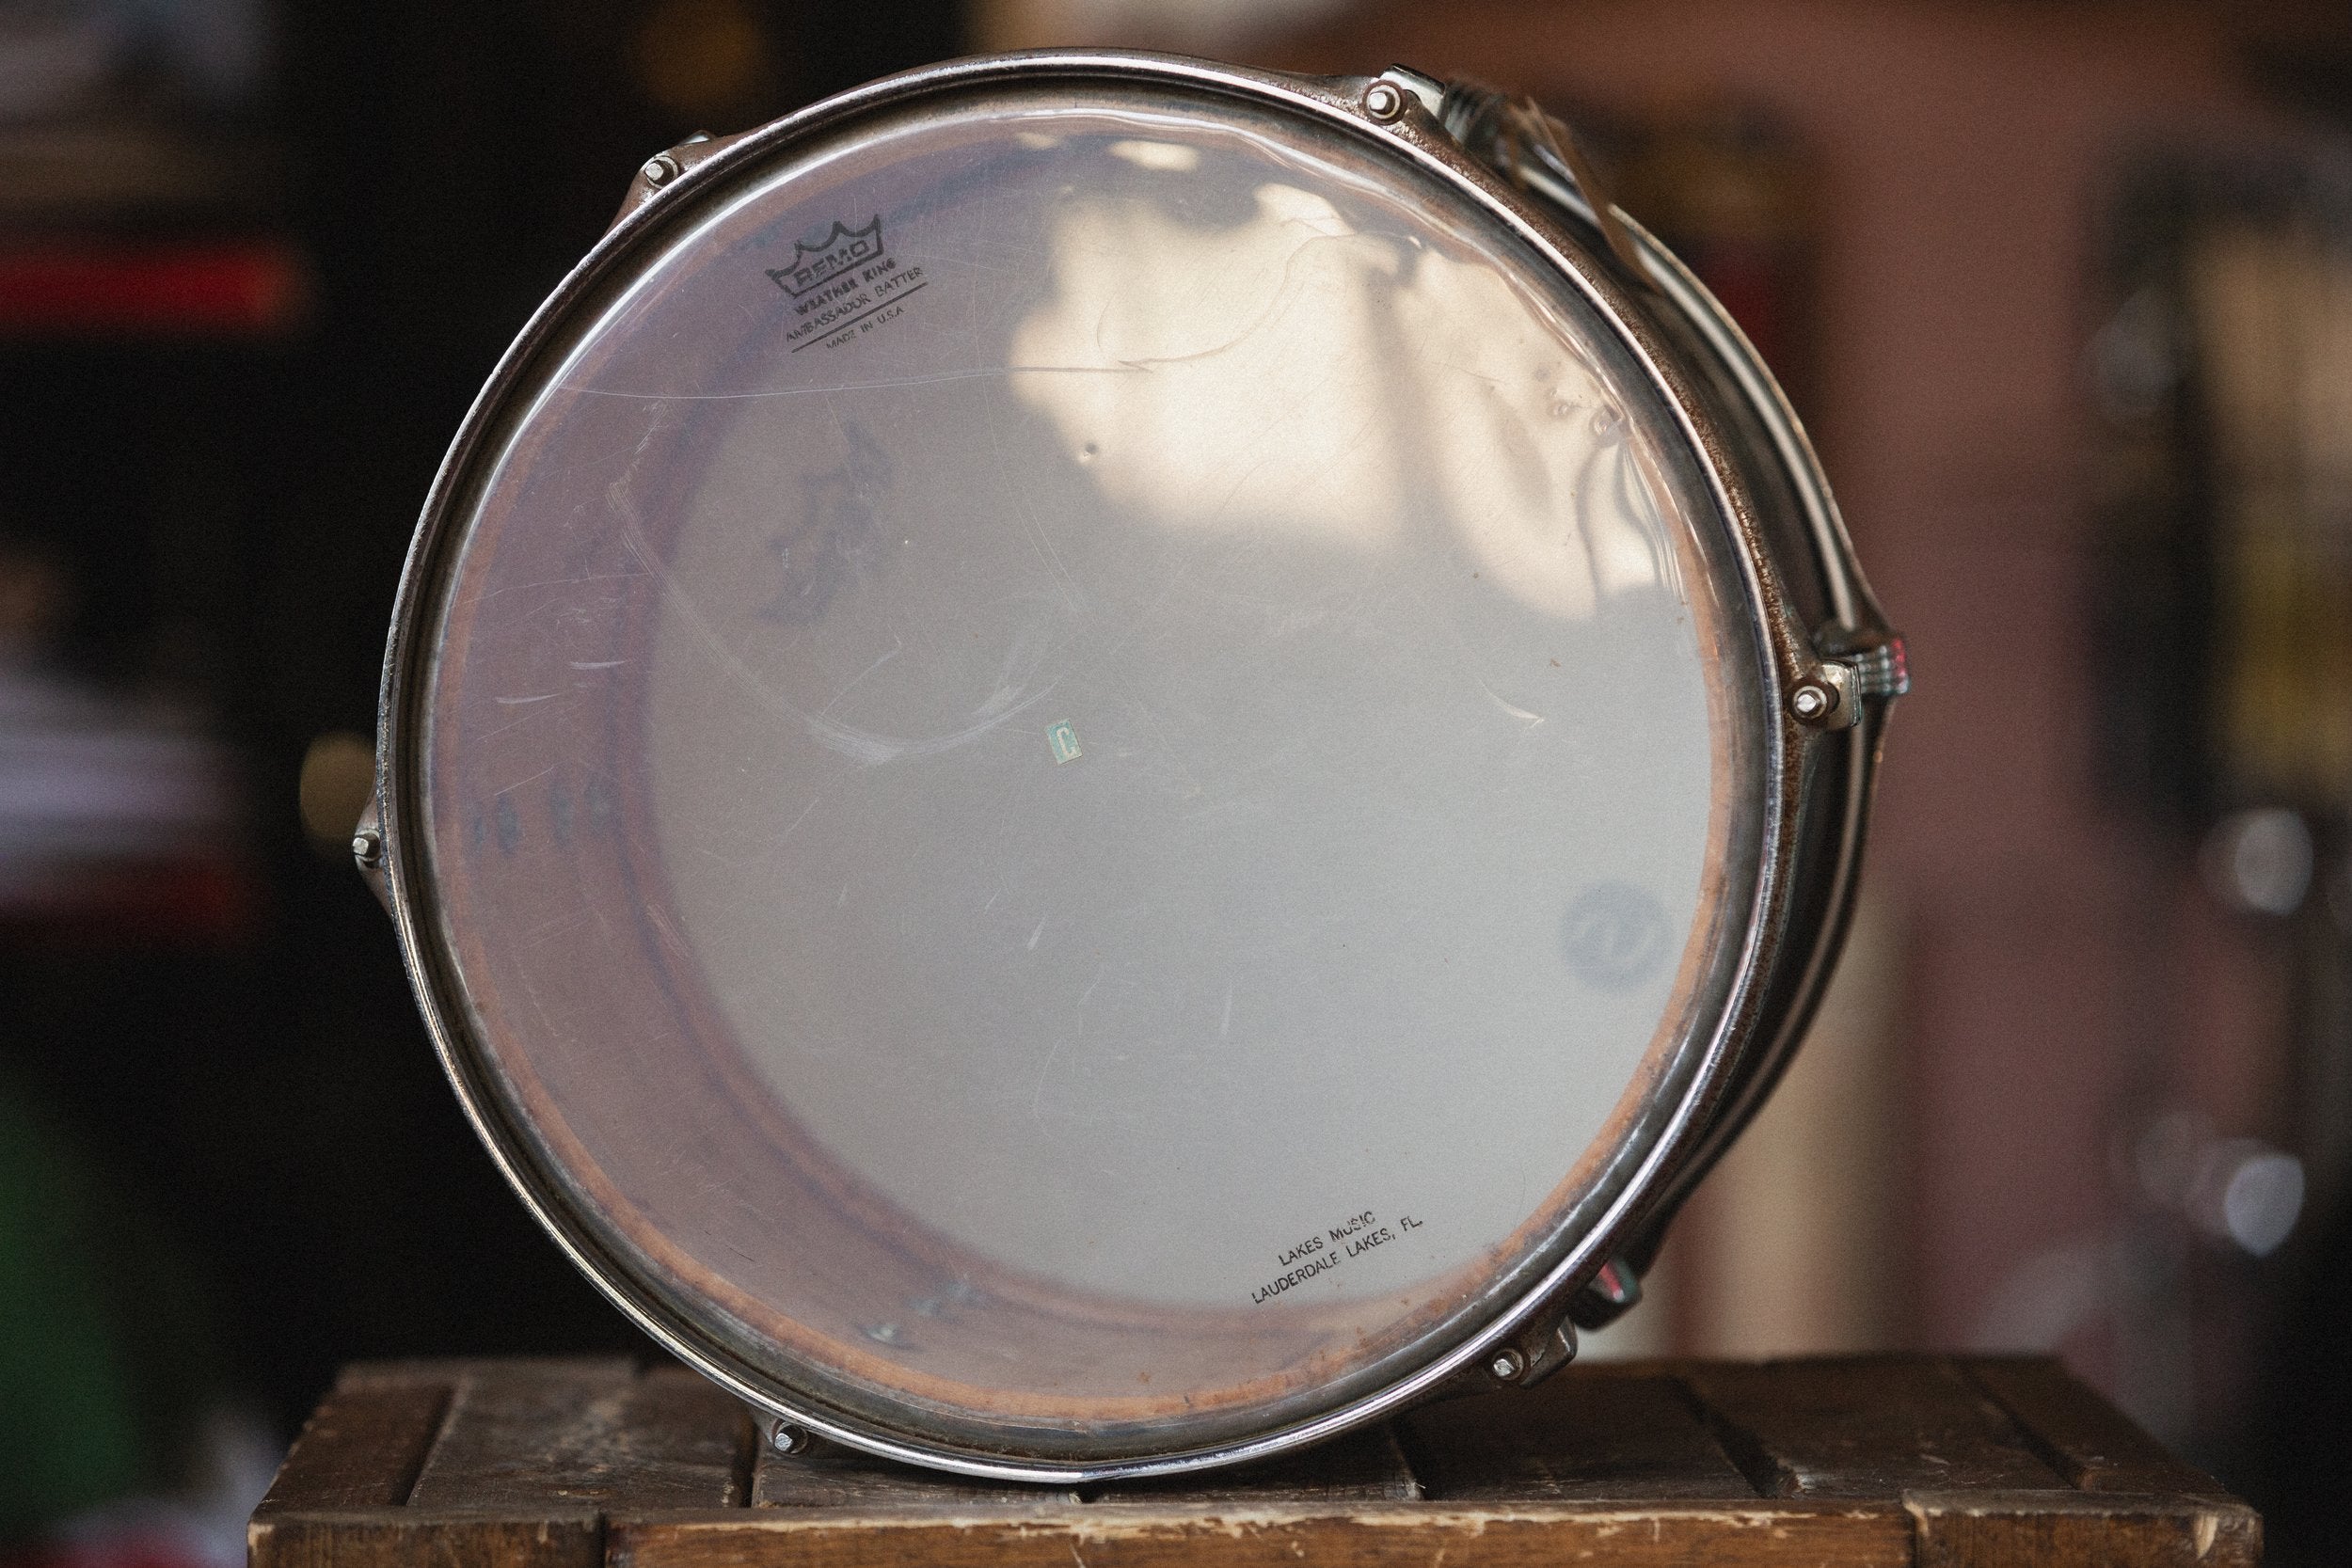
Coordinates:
[445,1002]
[1855,613]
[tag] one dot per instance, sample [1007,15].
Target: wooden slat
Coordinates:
[828,1475]
[362,1446]
[1902,1460]
[1864,1428]
[455,1368]
[1992,1529]
[1363,1467]
[2090,1442]
[1132,1535]
[692,1436]
[1581,1436]
[549,1537]
[525,1434]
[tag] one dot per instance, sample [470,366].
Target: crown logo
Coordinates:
[814,266]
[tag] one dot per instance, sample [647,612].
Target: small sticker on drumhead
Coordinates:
[1614,936]
[1064,741]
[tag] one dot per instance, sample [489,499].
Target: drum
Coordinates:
[1091,764]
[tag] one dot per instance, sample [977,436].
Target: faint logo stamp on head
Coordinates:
[1614,936]
[844,286]
[841,250]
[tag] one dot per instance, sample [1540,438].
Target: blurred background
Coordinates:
[2064,290]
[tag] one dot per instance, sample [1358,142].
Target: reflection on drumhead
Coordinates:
[1392,415]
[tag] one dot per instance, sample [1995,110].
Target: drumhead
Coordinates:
[1087,770]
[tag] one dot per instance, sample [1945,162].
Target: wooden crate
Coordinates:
[1909,1460]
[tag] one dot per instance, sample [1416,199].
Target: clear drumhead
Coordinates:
[1091,772]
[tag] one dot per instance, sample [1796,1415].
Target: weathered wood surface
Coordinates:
[1897,1461]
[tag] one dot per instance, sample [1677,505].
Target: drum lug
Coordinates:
[1882,668]
[1538,1352]
[664,169]
[1426,89]
[1550,1342]
[366,852]
[1518,140]
[1831,695]
[1523,1360]
[785,1437]
[1825,698]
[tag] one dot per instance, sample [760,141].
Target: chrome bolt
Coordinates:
[1812,701]
[1384,102]
[787,1438]
[1507,1366]
[367,848]
[659,169]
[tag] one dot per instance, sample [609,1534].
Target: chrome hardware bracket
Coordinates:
[1534,1354]
[1833,694]
[664,169]
[366,852]
[1881,671]
[1518,140]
